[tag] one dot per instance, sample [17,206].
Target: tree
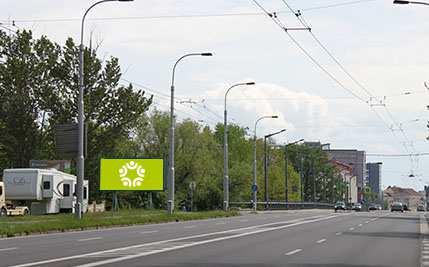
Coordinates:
[39,90]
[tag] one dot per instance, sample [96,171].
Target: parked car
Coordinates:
[397,206]
[340,205]
[357,207]
[372,207]
[378,206]
[420,208]
[405,207]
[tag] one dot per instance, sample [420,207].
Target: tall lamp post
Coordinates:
[81,119]
[286,172]
[400,2]
[255,184]
[266,164]
[225,149]
[170,203]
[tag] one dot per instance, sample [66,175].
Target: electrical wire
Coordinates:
[184,16]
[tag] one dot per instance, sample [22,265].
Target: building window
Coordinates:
[46,185]
[85,193]
[66,190]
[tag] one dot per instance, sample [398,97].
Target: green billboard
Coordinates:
[132,174]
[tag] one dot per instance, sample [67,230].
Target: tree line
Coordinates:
[38,91]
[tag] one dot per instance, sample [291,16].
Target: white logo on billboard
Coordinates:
[124,174]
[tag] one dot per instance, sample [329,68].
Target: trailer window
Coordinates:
[66,190]
[46,185]
[85,193]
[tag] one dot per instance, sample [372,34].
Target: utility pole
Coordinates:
[301,170]
[225,149]
[81,116]
[266,165]
[286,170]
[170,201]
[255,182]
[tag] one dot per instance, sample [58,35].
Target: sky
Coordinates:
[378,104]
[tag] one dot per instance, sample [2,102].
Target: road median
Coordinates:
[21,226]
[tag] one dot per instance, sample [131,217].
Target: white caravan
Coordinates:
[44,191]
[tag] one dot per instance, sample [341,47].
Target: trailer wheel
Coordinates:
[26,212]
[3,212]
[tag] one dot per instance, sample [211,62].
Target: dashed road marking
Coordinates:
[149,232]
[339,233]
[321,241]
[8,249]
[293,252]
[360,225]
[367,222]
[351,228]
[89,239]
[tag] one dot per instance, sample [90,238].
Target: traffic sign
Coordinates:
[254,188]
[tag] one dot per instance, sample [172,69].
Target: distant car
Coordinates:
[357,207]
[397,206]
[405,207]
[372,207]
[340,205]
[420,208]
[378,206]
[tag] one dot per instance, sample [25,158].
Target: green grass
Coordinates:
[15,226]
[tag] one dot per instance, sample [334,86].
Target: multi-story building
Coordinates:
[346,172]
[357,160]
[374,178]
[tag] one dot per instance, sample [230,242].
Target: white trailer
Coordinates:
[44,191]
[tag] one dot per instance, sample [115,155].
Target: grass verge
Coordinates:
[16,226]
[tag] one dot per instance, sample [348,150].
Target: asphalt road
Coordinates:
[293,238]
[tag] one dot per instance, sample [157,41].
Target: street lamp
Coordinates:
[286,172]
[81,156]
[225,150]
[266,164]
[400,2]
[170,203]
[255,185]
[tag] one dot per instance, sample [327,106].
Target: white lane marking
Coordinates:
[220,223]
[339,233]
[425,257]
[425,252]
[89,239]
[292,223]
[149,232]
[321,241]
[360,225]
[8,249]
[293,252]
[351,228]
[190,226]
[367,222]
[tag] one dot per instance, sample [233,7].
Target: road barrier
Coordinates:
[277,205]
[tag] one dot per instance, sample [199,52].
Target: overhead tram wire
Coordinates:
[167,98]
[277,21]
[299,16]
[346,3]
[301,19]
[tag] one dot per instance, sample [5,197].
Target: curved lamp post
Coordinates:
[225,149]
[255,184]
[81,156]
[170,203]
[400,2]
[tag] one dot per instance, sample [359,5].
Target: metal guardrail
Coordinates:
[276,205]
